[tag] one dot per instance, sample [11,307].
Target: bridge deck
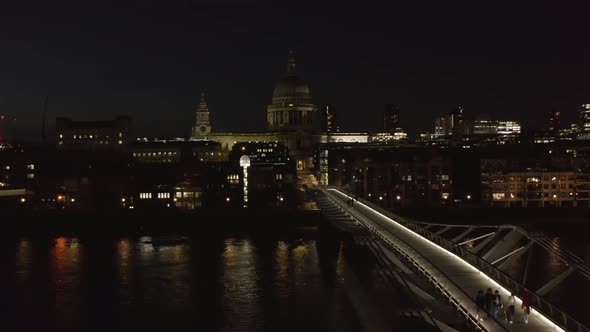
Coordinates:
[458,277]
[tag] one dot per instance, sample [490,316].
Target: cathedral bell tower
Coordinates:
[202,127]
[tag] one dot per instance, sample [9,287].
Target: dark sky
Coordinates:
[151,59]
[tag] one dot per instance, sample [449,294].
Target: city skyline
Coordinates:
[151,63]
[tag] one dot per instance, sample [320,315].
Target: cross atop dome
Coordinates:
[291,70]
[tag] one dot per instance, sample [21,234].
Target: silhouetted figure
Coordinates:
[526,306]
[489,296]
[497,305]
[480,300]
[510,309]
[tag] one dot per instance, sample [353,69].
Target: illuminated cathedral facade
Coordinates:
[291,119]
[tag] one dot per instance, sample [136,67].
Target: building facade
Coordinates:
[93,135]
[202,128]
[391,118]
[542,188]
[328,119]
[584,122]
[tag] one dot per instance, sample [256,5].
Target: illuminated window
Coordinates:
[498,196]
[120,142]
[145,195]
[90,136]
[30,176]
[7,168]
[279,177]
[233,178]
[61,136]
[31,167]
[120,134]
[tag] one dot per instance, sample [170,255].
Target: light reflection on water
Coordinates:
[242,283]
[240,286]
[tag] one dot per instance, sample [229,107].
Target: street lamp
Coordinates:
[245,163]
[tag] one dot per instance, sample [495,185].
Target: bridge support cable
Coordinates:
[508,255]
[555,281]
[527,266]
[515,256]
[439,232]
[476,238]
[463,234]
[503,246]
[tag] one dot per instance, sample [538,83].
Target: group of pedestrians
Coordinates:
[490,305]
[351,202]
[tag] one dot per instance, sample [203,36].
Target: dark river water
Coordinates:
[292,280]
[270,282]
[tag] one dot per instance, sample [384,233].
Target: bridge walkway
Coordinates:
[457,277]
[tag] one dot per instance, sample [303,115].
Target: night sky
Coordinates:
[151,59]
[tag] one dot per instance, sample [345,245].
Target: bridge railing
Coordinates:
[378,231]
[553,313]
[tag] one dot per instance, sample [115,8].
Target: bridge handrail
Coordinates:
[553,313]
[430,277]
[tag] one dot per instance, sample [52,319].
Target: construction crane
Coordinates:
[6,122]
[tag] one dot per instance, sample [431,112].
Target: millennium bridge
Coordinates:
[415,250]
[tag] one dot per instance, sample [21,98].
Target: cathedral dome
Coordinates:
[291,86]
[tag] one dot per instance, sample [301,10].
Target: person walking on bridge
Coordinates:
[480,300]
[489,302]
[497,305]
[510,309]
[526,306]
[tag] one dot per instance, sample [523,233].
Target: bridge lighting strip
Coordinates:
[497,285]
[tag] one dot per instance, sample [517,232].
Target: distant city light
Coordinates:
[227,199]
[468,196]
[22,200]
[398,197]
